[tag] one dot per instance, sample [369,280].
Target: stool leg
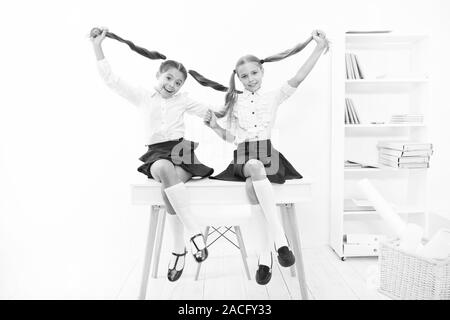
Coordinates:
[159,240]
[288,232]
[149,251]
[292,221]
[206,243]
[240,240]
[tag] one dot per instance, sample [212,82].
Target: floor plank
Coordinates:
[222,277]
[360,284]
[324,280]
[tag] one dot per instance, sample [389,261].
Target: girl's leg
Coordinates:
[169,176]
[174,191]
[262,233]
[263,190]
[158,169]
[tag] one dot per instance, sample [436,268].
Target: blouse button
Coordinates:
[255,125]
[252,101]
[253,112]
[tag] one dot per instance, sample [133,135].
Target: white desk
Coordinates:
[220,193]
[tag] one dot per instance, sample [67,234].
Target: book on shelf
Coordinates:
[353,67]
[350,112]
[358,67]
[352,205]
[402,145]
[356,165]
[395,159]
[399,153]
[404,165]
[351,164]
[347,116]
[348,67]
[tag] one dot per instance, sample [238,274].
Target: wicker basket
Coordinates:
[411,277]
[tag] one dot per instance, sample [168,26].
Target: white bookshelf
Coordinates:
[396,81]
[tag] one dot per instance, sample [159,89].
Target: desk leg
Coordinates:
[159,240]
[237,229]
[292,223]
[149,251]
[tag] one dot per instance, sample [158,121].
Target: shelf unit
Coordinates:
[396,81]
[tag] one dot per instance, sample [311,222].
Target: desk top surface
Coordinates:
[217,183]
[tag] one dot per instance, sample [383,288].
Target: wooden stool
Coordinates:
[159,232]
[240,245]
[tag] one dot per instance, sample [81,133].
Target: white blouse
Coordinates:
[254,114]
[163,119]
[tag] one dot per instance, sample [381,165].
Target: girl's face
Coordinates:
[169,82]
[250,74]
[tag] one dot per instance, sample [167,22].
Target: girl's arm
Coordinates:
[132,93]
[97,44]
[306,68]
[211,121]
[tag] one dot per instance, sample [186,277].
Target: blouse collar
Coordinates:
[155,93]
[248,93]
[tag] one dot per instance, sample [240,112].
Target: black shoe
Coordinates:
[285,256]
[264,273]
[200,255]
[174,274]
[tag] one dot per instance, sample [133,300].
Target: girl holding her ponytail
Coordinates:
[250,118]
[170,159]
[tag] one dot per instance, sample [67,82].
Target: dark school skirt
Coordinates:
[180,152]
[278,169]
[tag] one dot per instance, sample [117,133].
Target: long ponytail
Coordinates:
[230,97]
[287,53]
[154,55]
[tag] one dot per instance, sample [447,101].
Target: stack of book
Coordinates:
[407,118]
[351,116]
[404,154]
[353,67]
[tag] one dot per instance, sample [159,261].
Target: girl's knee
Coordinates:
[163,169]
[255,168]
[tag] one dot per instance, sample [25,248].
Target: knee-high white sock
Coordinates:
[177,228]
[262,235]
[179,199]
[264,192]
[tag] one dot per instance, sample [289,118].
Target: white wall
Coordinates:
[69,147]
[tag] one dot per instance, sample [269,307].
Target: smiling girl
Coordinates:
[250,119]
[170,159]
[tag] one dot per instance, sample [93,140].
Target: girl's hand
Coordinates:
[320,37]
[210,119]
[98,35]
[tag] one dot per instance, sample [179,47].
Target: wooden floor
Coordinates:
[222,277]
